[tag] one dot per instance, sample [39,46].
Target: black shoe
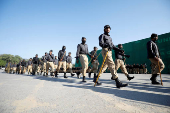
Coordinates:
[65,76]
[78,74]
[84,79]
[130,78]
[56,75]
[95,78]
[44,74]
[119,84]
[72,74]
[154,80]
[90,75]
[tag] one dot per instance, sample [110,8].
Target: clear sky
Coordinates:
[29,27]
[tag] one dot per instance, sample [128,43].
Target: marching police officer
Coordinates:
[154,56]
[62,61]
[35,62]
[50,59]
[14,67]
[94,62]
[145,68]
[44,59]
[82,52]
[29,66]
[69,63]
[19,67]
[105,41]
[23,65]
[120,63]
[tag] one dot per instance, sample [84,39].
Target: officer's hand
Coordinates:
[92,56]
[127,56]
[122,51]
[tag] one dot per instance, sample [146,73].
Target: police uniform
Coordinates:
[55,63]
[105,41]
[23,65]
[94,63]
[82,52]
[35,62]
[137,68]
[62,61]
[29,66]
[14,67]
[50,59]
[141,69]
[8,67]
[69,64]
[145,68]
[44,59]
[152,53]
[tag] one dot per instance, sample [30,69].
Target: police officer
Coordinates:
[8,67]
[127,67]
[131,69]
[29,66]
[62,61]
[14,67]
[94,62]
[141,69]
[19,67]
[105,41]
[134,69]
[23,65]
[82,52]
[154,56]
[55,64]
[69,63]
[44,59]
[41,66]
[120,63]
[145,68]
[137,68]
[35,62]
[50,59]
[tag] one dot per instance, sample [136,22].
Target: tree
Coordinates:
[2,63]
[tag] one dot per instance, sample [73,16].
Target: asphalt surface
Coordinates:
[39,94]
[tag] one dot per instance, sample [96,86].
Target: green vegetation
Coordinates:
[4,58]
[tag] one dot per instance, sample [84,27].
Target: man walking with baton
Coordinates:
[155,58]
[105,41]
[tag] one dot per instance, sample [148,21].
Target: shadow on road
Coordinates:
[142,92]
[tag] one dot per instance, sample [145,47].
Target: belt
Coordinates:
[83,54]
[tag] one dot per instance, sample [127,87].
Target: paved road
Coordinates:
[38,94]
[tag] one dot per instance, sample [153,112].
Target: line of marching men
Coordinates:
[38,66]
[105,42]
[137,69]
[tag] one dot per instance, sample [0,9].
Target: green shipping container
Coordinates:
[138,52]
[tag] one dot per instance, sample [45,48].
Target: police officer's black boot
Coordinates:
[84,79]
[65,76]
[95,78]
[78,74]
[89,74]
[154,80]
[119,84]
[52,74]
[129,77]
[72,74]
[44,74]
[56,74]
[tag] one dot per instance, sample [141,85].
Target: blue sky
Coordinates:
[29,27]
